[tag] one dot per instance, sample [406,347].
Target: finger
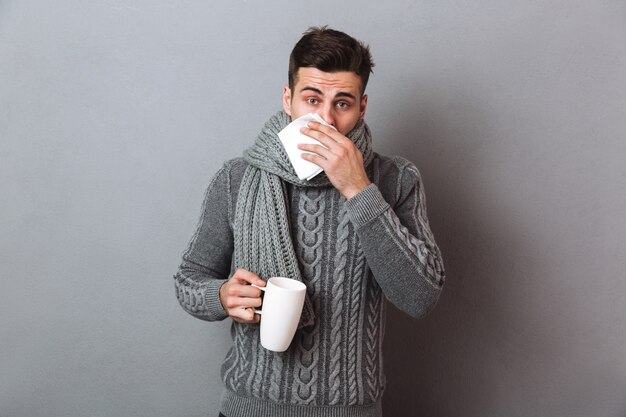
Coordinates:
[243,291]
[253,317]
[246,302]
[243,315]
[234,306]
[317,149]
[327,130]
[256,319]
[320,136]
[316,159]
[249,277]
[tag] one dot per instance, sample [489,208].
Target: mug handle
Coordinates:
[262,289]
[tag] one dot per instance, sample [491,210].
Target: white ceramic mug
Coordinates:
[282,307]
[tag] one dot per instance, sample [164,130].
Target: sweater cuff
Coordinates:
[212,297]
[366,205]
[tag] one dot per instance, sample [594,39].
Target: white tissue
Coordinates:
[291,137]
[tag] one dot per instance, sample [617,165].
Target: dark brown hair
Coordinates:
[330,50]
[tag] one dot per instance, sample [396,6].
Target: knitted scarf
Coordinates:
[263,243]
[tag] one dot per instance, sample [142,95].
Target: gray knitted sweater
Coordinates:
[353,255]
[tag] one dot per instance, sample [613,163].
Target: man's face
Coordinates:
[336,96]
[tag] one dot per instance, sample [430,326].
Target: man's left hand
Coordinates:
[339,158]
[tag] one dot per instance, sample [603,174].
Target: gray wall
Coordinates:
[115,114]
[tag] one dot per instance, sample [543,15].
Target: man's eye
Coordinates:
[311,101]
[343,105]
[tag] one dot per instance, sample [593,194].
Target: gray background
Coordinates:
[115,114]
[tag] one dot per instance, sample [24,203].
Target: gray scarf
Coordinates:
[263,242]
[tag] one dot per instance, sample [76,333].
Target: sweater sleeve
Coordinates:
[206,262]
[399,245]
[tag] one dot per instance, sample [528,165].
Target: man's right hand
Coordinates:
[239,298]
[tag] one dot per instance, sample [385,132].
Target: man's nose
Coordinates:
[327,113]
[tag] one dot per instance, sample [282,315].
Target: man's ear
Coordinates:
[363,106]
[287,100]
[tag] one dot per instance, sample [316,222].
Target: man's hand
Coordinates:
[339,157]
[239,298]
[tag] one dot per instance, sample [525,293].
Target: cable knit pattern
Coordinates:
[235,374]
[276,383]
[190,294]
[193,283]
[261,229]
[426,260]
[355,319]
[339,275]
[256,379]
[310,221]
[352,255]
[372,327]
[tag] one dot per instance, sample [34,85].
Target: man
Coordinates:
[355,235]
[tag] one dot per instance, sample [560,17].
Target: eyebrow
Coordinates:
[318,91]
